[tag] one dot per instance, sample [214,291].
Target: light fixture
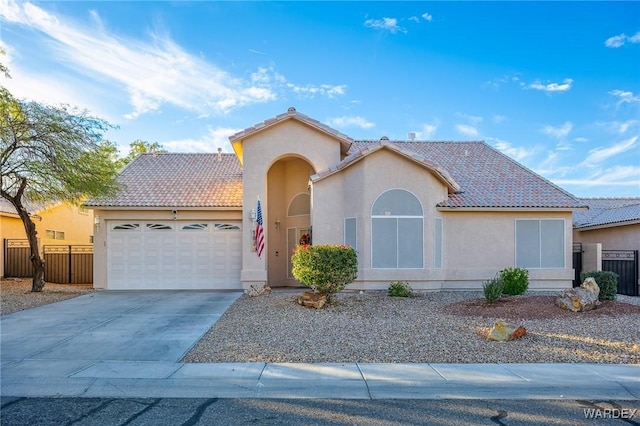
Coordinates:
[252,215]
[277,223]
[175,214]
[96,220]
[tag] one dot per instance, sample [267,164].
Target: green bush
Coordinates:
[326,269]
[400,289]
[515,280]
[606,280]
[493,289]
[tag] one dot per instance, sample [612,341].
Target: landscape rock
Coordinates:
[578,299]
[591,285]
[503,331]
[312,300]
[258,290]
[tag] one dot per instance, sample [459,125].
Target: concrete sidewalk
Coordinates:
[128,344]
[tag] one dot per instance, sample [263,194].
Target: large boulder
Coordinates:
[503,331]
[591,285]
[578,300]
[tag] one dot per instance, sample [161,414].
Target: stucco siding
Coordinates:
[625,237]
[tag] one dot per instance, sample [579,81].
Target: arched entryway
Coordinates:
[288,215]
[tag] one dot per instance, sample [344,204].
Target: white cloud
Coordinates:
[558,132]
[427,17]
[499,118]
[624,97]
[353,121]
[598,155]
[217,137]
[473,119]
[428,131]
[467,130]
[517,153]
[386,24]
[552,87]
[152,72]
[614,176]
[328,90]
[621,39]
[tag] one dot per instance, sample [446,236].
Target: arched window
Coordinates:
[397,231]
[300,205]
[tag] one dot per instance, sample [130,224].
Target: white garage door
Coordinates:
[174,255]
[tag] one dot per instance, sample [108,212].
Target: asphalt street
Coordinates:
[16,411]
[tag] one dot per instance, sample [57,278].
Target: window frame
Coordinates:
[540,244]
[397,218]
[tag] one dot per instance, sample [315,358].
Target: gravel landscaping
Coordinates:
[435,327]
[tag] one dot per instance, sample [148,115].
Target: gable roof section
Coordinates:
[33,207]
[486,177]
[178,180]
[237,138]
[356,156]
[607,212]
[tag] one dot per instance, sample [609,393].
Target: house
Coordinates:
[440,215]
[612,222]
[58,223]
[608,234]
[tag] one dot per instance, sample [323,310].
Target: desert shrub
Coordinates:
[400,289]
[493,289]
[606,280]
[515,280]
[326,269]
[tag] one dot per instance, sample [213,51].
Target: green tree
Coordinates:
[51,154]
[138,147]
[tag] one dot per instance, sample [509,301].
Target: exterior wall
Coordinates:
[106,216]
[76,223]
[476,245]
[261,151]
[625,237]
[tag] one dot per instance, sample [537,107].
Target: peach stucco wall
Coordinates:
[286,140]
[476,244]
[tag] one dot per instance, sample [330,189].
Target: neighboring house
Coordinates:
[613,222]
[440,215]
[60,223]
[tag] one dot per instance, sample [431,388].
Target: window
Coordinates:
[397,231]
[54,235]
[226,227]
[127,227]
[158,227]
[540,243]
[437,243]
[350,232]
[195,227]
[300,205]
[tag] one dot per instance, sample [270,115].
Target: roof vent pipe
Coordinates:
[412,136]
[219,154]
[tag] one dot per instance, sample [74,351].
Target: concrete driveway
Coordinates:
[109,326]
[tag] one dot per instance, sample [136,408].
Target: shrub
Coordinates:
[606,280]
[326,269]
[400,289]
[493,289]
[515,280]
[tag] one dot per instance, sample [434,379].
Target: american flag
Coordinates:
[259,231]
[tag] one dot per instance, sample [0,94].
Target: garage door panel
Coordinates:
[148,255]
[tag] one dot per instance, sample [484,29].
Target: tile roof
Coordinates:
[487,178]
[32,207]
[292,113]
[399,149]
[178,180]
[607,211]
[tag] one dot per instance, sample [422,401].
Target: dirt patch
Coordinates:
[534,307]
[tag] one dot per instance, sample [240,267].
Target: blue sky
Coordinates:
[554,85]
